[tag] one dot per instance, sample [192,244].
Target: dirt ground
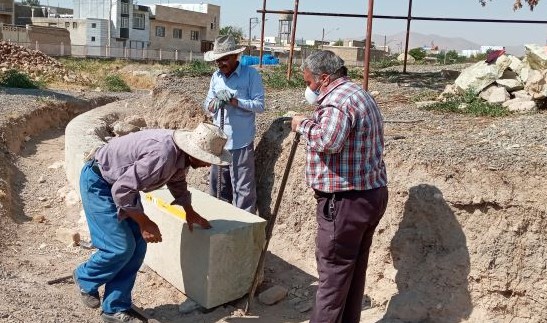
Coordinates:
[463,239]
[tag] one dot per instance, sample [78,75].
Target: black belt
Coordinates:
[95,167]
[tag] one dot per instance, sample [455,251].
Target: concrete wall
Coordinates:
[51,40]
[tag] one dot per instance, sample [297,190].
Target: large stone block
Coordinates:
[212,266]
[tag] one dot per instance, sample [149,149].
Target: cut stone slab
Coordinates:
[213,266]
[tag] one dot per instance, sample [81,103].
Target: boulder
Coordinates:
[536,56]
[536,85]
[510,84]
[409,59]
[480,75]
[520,105]
[521,94]
[498,95]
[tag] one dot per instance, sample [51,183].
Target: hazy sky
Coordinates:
[238,12]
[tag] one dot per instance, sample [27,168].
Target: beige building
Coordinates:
[355,55]
[6,12]
[184,27]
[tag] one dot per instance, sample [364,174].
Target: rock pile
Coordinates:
[36,64]
[519,85]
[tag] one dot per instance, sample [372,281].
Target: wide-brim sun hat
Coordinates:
[205,143]
[223,46]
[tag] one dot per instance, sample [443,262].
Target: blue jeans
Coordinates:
[238,179]
[120,246]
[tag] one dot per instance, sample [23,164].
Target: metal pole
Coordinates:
[408,19]
[322,38]
[293,33]
[250,19]
[262,33]
[219,168]
[368,43]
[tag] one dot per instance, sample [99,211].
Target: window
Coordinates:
[125,22]
[125,8]
[67,24]
[194,35]
[138,20]
[177,33]
[160,31]
[92,38]
[93,25]
[74,25]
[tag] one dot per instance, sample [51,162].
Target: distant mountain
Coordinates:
[396,42]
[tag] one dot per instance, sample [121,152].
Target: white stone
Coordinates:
[122,128]
[273,295]
[520,105]
[212,266]
[511,84]
[56,165]
[498,95]
[409,58]
[536,85]
[522,95]
[41,180]
[516,64]
[423,104]
[536,56]
[480,75]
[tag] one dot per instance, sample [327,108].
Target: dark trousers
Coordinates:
[346,224]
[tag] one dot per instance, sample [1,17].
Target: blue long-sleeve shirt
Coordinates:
[239,122]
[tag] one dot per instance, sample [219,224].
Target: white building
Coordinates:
[487,48]
[129,27]
[470,52]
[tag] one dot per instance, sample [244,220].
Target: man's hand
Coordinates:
[295,122]
[216,104]
[150,231]
[194,218]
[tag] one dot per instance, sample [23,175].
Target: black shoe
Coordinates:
[89,300]
[126,316]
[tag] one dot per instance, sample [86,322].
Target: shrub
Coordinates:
[195,68]
[469,103]
[115,83]
[15,78]
[276,78]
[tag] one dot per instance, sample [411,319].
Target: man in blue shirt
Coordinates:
[235,95]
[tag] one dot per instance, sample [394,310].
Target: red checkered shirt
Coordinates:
[345,140]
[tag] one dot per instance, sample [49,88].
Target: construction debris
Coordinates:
[36,64]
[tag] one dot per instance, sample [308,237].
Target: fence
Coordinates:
[60,50]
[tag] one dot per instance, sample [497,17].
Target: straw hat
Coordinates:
[224,45]
[205,143]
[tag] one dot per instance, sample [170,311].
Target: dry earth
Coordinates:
[463,238]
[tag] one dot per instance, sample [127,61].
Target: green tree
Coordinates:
[236,32]
[339,42]
[32,3]
[517,4]
[418,53]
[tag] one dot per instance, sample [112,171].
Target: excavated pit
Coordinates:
[463,238]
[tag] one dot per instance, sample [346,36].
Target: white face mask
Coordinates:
[311,96]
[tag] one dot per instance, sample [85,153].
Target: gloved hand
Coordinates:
[216,104]
[224,95]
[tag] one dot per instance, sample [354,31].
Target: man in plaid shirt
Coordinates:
[344,166]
